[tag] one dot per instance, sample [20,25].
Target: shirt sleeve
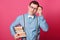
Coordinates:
[42,23]
[16,22]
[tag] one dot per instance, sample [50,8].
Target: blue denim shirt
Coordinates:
[30,26]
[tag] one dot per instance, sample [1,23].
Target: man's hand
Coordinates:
[18,29]
[39,11]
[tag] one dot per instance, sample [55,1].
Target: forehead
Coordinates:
[34,5]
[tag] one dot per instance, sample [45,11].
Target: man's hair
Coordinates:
[34,2]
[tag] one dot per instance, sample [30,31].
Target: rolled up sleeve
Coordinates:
[43,24]
[16,22]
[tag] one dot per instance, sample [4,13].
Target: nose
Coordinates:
[32,9]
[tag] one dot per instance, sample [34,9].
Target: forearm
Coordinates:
[16,22]
[43,24]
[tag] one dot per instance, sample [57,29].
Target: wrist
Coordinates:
[40,14]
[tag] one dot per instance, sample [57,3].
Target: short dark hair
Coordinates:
[34,2]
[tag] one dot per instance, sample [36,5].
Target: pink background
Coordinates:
[10,9]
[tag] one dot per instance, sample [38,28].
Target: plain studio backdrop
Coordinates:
[10,9]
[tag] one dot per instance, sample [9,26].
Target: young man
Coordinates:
[32,22]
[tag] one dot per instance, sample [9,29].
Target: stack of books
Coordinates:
[19,30]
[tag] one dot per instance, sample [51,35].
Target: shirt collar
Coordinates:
[30,16]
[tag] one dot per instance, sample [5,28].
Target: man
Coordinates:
[31,28]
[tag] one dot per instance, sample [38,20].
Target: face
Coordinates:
[32,9]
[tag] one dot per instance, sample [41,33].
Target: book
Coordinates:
[20,31]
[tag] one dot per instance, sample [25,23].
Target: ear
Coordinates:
[37,10]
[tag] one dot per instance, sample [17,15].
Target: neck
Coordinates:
[31,14]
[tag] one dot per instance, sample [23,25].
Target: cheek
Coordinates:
[35,10]
[30,9]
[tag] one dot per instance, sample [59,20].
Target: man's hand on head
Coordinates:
[39,11]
